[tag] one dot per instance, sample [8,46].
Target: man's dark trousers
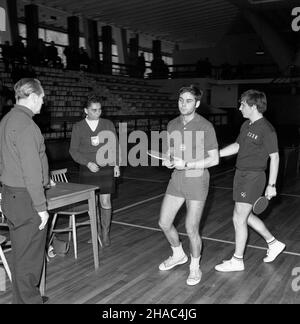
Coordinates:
[28,244]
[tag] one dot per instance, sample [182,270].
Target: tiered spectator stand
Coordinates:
[123,98]
[134,101]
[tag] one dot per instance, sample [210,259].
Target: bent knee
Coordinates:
[164,226]
[241,213]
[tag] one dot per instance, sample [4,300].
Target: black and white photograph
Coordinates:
[149,155]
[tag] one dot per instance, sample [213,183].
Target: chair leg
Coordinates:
[74,235]
[6,267]
[99,240]
[70,230]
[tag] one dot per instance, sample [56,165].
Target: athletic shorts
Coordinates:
[248,186]
[190,188]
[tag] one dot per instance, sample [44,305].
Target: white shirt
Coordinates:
[92,123]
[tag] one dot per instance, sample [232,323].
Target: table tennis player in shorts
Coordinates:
[255,146]
[194,148]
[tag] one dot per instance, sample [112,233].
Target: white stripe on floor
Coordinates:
[184,234]
[138,203]
[164,181]
[203,237]
[145,179]
[215,187]
[280,194]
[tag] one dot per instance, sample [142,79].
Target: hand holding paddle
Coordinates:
[169,161]
[179,164]
[270,191]
[158,155]
[262,202]
[260,205]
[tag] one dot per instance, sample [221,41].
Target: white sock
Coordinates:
[238,258]
[271,241]
[177,251]
[195,262]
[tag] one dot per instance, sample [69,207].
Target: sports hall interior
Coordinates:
[225,47]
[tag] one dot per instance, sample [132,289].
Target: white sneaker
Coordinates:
[172,262]
[194,277]
[230,266]
[274,250]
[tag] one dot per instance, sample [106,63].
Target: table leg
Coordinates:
[94,231]
[98,218]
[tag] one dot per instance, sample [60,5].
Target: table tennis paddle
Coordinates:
[260,205]
[158,155]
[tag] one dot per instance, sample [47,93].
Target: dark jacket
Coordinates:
[81,149]
[23,161]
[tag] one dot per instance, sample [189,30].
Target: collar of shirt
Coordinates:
[92,123]
[26,110]
[190,124]
[255,122]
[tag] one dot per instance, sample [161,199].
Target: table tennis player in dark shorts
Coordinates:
[255,146]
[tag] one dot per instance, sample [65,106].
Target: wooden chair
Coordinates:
[59,175]
[2,257]
[3,240]
[3,222]
[71,211]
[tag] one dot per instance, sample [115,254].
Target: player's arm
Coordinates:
[75,145]
[230,150]
[271,146]
[169,163]
[117,163]
[273,172]
[75,152]
[210,161]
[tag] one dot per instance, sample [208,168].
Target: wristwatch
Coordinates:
[272,185]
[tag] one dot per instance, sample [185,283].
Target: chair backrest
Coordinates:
[2,239]
[2,217]
[59,175]
[3,259]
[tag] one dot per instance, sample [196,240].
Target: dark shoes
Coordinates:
[105,238]
[45,299]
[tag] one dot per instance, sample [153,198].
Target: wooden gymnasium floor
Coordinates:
[129,272]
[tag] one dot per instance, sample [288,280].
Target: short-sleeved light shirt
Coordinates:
[191,184]
[197,138]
